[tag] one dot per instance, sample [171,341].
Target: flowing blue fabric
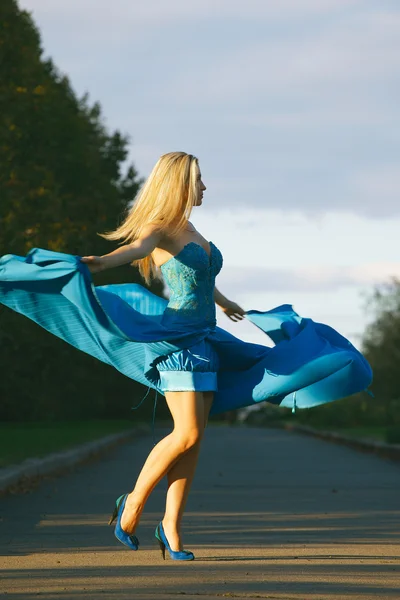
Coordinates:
[130,328]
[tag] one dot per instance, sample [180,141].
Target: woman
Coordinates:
[156,233]
[175,347]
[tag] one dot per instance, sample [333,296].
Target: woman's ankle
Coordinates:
[133,504]
[171,525]
[173,535]
[130,516]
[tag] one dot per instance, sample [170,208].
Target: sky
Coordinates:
[292,108]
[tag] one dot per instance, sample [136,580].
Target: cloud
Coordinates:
[159,11]
[331,68]
[290,105]
[378,188]
[313,112]
[306,280]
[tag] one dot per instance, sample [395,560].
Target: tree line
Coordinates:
[381,347]
[62,180]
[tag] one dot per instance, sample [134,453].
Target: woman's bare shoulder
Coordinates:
[154,230]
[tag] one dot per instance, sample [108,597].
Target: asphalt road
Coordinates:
[272,514]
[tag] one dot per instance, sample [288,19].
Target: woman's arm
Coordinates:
[140,248]
[231,309]
[220,299]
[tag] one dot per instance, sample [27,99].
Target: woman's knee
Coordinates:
[187,440]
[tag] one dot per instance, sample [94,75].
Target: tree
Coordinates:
[381,345]
[61,182]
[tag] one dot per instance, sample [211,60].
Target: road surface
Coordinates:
[272,514]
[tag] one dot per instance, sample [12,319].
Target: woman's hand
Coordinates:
[94,263]
[233,311]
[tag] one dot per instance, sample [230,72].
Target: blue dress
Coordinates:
[155,341]
[190,276]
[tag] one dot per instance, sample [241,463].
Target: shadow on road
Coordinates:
[271,513]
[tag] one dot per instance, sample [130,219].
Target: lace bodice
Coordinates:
[190,276]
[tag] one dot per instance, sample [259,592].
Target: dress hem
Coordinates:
[188,381]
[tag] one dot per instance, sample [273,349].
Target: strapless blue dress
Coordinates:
[151,340]
[190,276]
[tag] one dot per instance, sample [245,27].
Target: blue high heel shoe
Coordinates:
[163,543]
[129,540]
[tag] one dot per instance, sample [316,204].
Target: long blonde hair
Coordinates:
[165,200]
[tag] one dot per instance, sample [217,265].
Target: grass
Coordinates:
[373,433]
[19,441]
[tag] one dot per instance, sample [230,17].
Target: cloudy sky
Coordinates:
[293,110]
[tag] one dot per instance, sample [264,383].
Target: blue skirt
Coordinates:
[122,325]
[190,369]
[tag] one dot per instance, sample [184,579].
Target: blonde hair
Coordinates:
[165,200]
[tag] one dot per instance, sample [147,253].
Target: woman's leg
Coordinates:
[180,477]
[188,413]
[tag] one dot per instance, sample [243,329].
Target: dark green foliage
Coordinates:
[61,182]
[60,171]
[381,347]
[393,434]
[22,440]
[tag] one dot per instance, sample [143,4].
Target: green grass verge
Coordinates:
[19,441]
[372,433]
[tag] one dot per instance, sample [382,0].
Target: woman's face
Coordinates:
[202,189]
